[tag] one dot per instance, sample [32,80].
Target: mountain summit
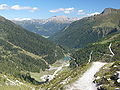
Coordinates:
[110,10]
[62,19]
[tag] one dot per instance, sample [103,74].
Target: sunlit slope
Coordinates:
[89,29]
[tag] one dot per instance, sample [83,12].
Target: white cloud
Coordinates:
[81,12]
[85,14]
[92,14]
[69,9]
[4,7]
[65,10]
[17,7]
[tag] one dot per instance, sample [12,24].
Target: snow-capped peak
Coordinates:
[62,19]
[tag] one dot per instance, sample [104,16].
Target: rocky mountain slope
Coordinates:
[108,78]
[45,27]
[89,29]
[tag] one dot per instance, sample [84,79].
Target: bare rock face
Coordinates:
[110,10]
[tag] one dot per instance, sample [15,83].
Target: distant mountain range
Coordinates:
[45,27]
[89,29]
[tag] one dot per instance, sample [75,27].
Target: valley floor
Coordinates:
[86,81]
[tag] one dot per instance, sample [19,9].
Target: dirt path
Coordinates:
[86,81]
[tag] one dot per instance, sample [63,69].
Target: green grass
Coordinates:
[103,70]
[73,74]
[5,84]
[14,88]
[37,76]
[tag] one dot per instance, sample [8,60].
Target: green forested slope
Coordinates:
[22,51]
[29,41]
[89,29]
[14,59]
[100,51]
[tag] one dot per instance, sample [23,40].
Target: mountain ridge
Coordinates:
[45,27]
[110,10]
[88,30]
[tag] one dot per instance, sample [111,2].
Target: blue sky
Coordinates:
[47,8]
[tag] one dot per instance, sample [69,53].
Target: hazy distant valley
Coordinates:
[45,27]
